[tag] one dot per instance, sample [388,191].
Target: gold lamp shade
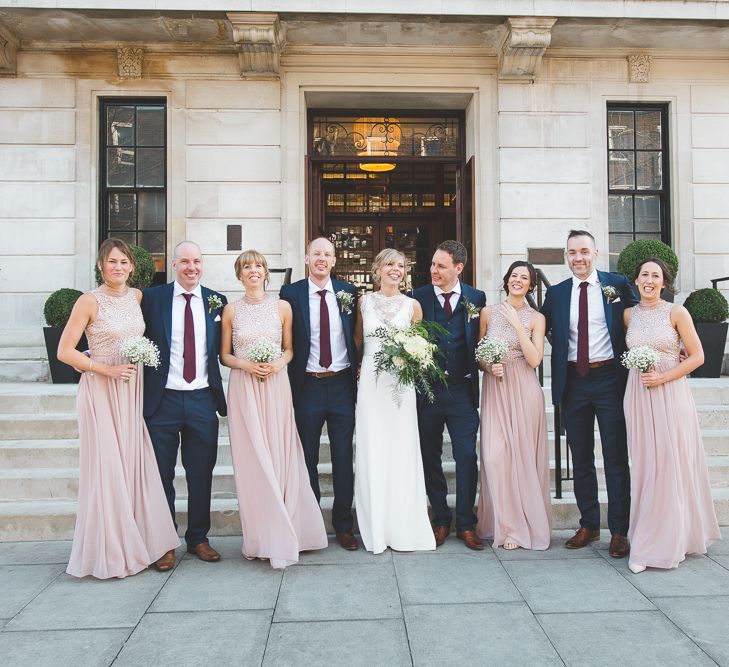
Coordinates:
[377,137]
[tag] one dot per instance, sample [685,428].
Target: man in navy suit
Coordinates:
[183,394]
[585,315]
[323,376]
[455,306]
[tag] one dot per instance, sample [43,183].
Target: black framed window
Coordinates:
[638,178]
[134,175]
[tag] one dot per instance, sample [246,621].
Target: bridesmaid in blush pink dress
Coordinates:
[123,524]
[672,511]
[514,508]
[279,514]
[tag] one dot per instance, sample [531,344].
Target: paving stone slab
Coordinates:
[721,559]
[703,619]
[556,551]
[338,592]
[174,638]
[54,648]
[356,643]
[34,553]
[70,603]
[621,638]
[588,584]
[230,584]
[425,579]
[335,555]
[697,575]
[19,584]
[508,632]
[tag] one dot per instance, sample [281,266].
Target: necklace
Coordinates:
[254,299]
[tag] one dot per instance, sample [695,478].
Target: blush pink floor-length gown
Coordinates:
[514,502]
[671,510]
[123,523]
[279,514]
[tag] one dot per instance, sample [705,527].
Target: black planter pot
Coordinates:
[713,339]
[61,373]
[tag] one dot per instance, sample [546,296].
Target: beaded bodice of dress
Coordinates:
[252,321]
[119,318]
[652,326]
[499,327]
[379,310]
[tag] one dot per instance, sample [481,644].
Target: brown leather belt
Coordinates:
[326,374]
[595,364]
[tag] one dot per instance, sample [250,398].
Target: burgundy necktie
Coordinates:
[583,339]
[325,345]
[447,303]
[188,353]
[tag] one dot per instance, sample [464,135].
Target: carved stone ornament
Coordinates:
[526,40]
[260,40]
[129,60]
[8,51]
[639,67]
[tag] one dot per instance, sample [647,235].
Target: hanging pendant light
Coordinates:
[377,137]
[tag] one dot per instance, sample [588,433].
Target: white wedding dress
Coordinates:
[389,487]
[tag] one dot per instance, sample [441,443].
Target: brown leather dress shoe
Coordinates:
[166,563]
[204,552]
[441,533]
[582,538]
[471,540]
[619,547]
[348,541]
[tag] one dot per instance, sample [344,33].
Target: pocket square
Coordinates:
[217,318]
[616,300]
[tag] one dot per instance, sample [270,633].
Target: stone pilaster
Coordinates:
[639,67]
[8,51]
[526,40]
[259,39]
[129,61]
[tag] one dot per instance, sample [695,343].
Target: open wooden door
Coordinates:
[467,218]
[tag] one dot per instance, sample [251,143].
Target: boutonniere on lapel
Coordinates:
[610,293]
[472,312]
[345,301]
[214,303]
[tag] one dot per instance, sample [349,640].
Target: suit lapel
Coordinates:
[429,304]
[336,286]
[167,313]
[209,334]
[304,304]
[604,280]
[564,306]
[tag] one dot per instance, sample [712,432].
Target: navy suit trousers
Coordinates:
[598,394]
[187,418]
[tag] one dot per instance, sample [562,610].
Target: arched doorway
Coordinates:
[387,179]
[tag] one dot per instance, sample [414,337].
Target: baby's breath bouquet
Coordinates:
[140,350]
[409,356]
[492,351]
[643,359]
[262,351]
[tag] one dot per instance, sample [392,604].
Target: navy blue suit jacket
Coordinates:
[426,298]
[556,309]
[157,311]
[297,294]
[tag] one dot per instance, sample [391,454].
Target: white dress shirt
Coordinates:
[601,347]
[340,358]
[455,295]
[177,344]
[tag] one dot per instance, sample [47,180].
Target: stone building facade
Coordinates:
[607,115]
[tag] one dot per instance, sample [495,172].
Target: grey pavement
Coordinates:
[449,607]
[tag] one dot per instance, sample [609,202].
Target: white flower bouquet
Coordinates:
[262,351]
[408,355]
[140,350]
[643,359]
[492,351]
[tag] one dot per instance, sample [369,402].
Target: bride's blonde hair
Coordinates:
[385,257]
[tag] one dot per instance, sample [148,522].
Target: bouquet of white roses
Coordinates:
[643,358]
[262,351]
[140,350]
[408,355]
[492,351]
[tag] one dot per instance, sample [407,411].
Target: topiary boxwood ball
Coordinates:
[707,305]
[144,269]
[634,253]
[59,305]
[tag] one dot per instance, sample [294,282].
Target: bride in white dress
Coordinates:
[389,487]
